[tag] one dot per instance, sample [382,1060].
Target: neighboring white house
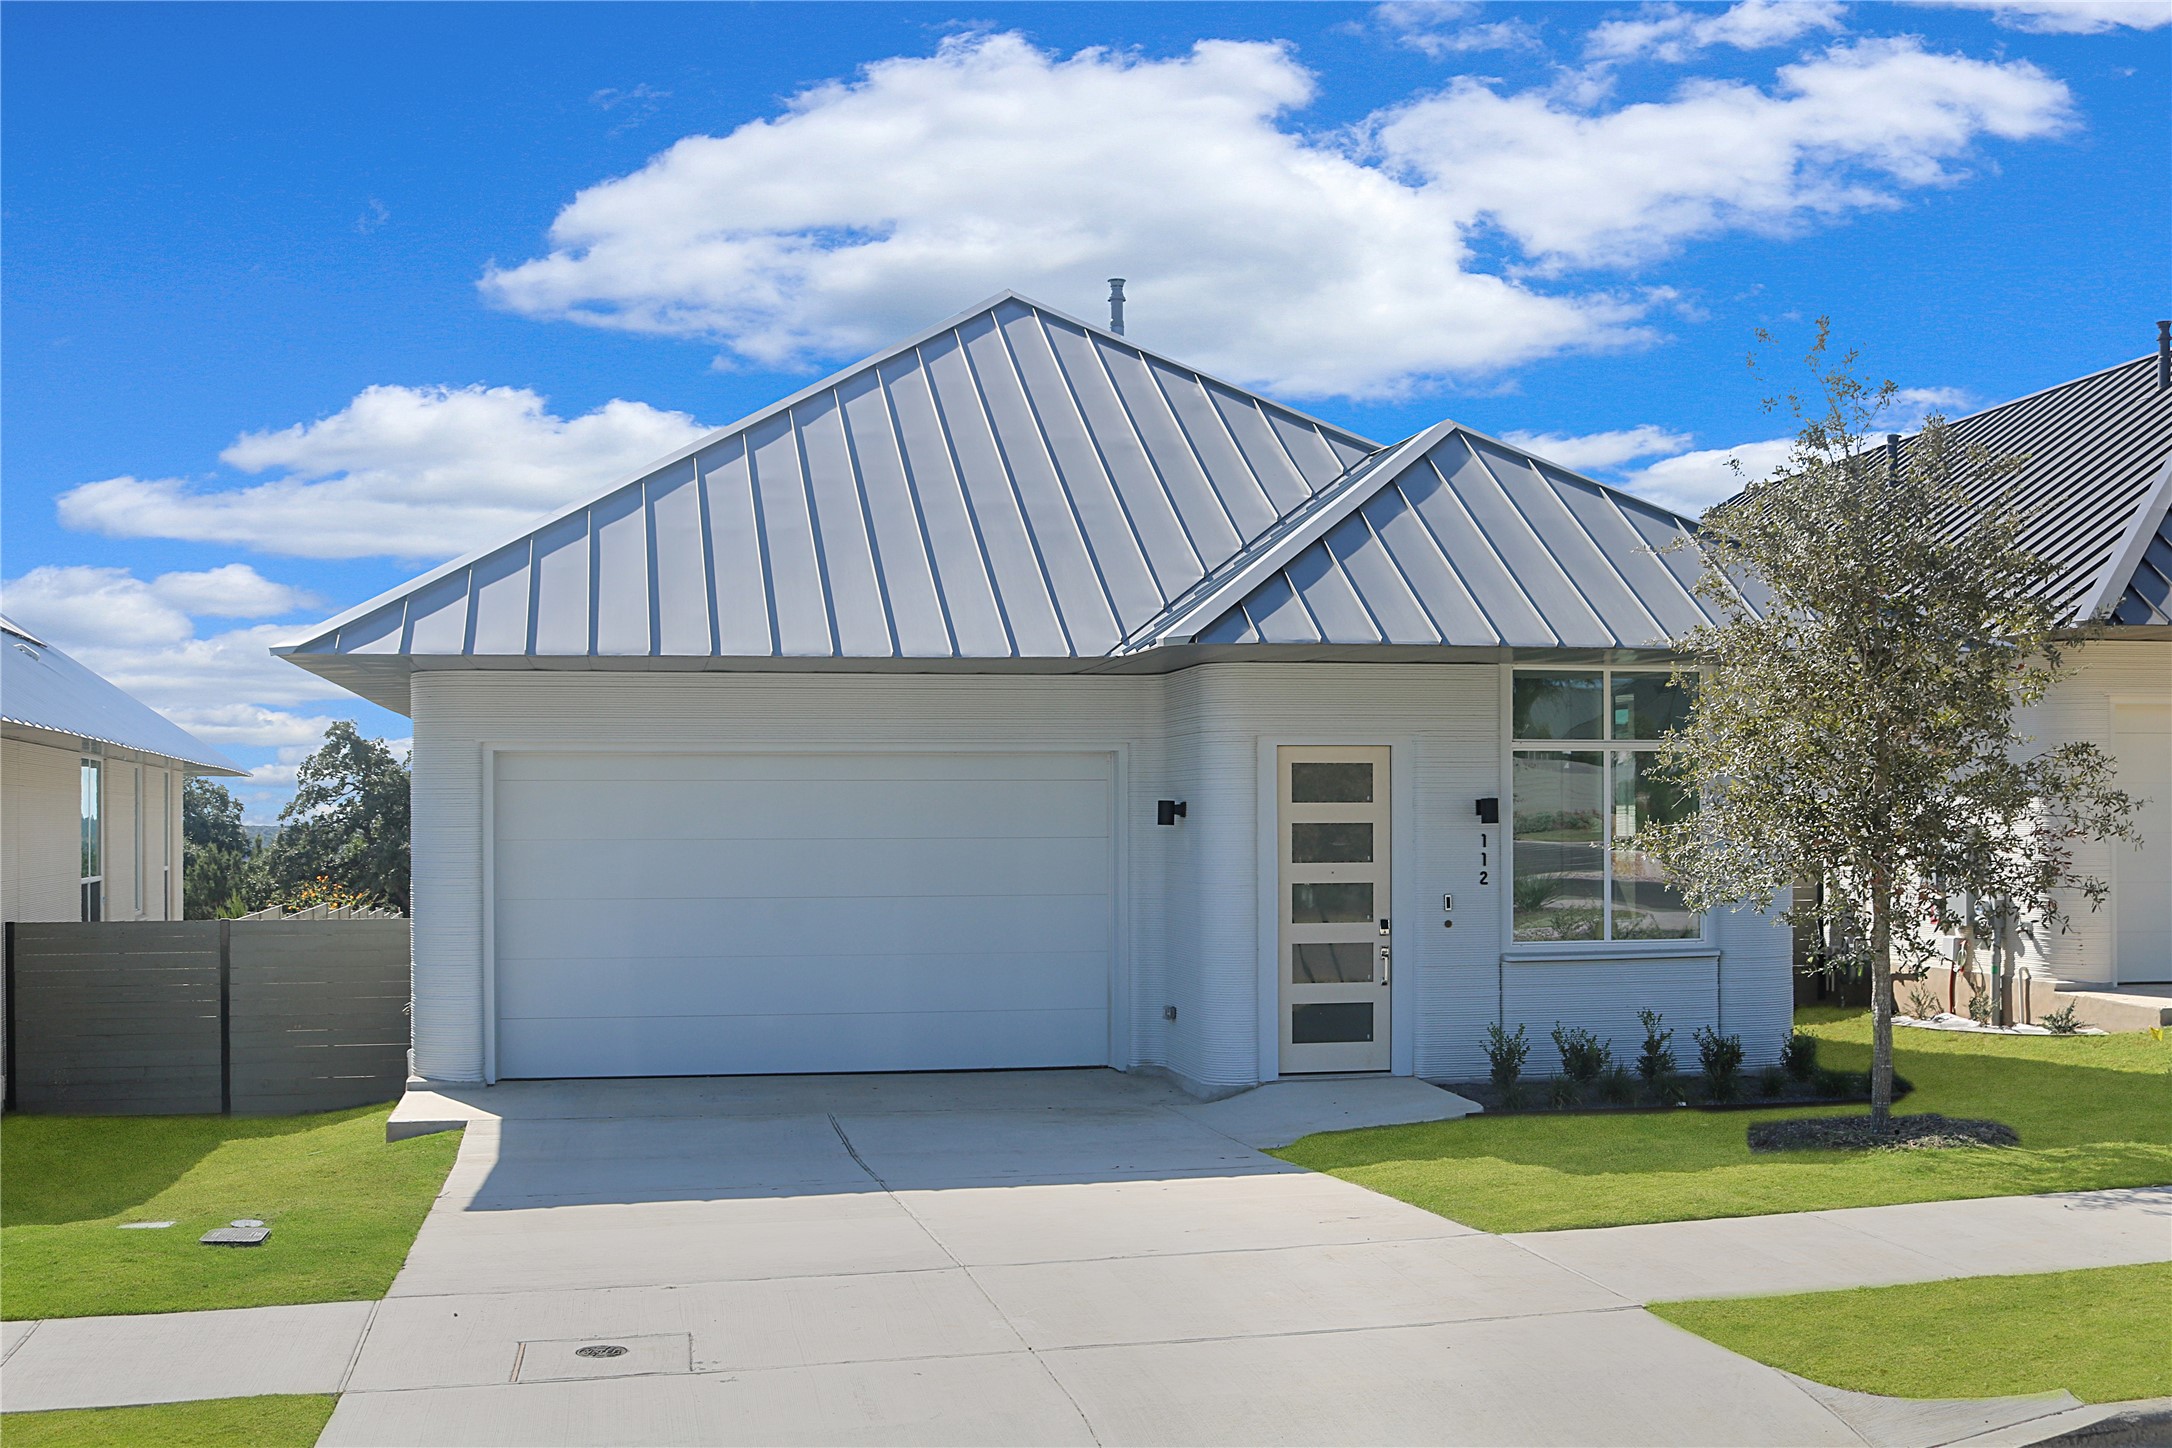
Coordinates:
[90,791]
[1021,697]
[2098,480]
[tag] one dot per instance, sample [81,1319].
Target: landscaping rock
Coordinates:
[1928,1131]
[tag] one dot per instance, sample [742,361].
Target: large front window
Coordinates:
[1584,786]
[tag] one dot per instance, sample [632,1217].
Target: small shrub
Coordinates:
[1583,1055]
[1799,1056]
[1833,1083]
[1720,1057]
[1616,1086]
[1513,1097]
[1655,1063]
[1923,1003]
[1772,1081]
[1561,1091]
[1979,1008]
[2064,1021]
[1505,1056]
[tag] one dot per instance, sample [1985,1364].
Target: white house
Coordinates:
[1021,697]
[2098,482]
[90,791]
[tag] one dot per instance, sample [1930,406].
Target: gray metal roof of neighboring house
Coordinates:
[1455,538]
[2097,481]
[42,689]
[1018,489]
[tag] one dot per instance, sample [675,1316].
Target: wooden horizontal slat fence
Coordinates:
[250,1017]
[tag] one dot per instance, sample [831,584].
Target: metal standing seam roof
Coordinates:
[1017,485]
[1456,538]
[2096,481]
[42,689]
[1012,483]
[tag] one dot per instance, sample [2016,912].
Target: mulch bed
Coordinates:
[1926,1132]
[1845,1088]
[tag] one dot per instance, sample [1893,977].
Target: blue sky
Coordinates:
[300,300]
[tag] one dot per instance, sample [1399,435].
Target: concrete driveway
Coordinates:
[1019,1258]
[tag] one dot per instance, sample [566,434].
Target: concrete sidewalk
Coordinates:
[1866,1246]
[173,1357]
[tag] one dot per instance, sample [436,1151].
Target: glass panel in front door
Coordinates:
[1333,908]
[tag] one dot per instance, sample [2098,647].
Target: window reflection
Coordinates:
[1648,705]
[1646,907]
[1559,842]
[1556,706]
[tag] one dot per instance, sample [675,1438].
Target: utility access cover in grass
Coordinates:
[342,1204]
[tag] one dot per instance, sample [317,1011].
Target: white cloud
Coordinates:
[1336,264]
[1690,482]
[252,724]
[1913,404]
[113,607]
[1595,451]
[2067,17]
[1837,133]
[1675,33]
[871,208]
[1440,28]
[140,636]
[406,472]
[232,590]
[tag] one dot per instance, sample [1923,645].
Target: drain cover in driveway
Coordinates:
[604,1357]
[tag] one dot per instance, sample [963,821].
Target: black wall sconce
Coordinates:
[1168,811]
[1489,811]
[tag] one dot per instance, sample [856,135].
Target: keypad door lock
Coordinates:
[1383,925]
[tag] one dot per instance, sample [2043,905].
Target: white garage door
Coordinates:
[677,915]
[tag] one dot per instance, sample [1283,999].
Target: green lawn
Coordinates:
[2092,1111]
[280,1422]
[2104,1335]
[343,1206]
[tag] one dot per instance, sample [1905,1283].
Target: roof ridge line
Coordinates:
[748,421]
[1274,550]
[2039,392]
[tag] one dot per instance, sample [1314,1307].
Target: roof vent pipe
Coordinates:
[2164,355]
[1116,305]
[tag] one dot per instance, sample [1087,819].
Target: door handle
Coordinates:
[1385,956]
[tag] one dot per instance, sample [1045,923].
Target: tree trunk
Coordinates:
[1881,1005]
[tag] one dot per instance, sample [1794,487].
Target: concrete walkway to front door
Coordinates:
[1045,1257]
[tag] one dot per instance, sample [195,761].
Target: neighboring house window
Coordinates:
[1582,784]
[94,878]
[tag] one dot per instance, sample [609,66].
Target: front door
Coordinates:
[1333,905]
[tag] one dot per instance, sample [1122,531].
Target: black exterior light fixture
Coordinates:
[1489,811]
[1168,811]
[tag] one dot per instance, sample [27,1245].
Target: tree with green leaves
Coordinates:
[344,835]
[1856,698]
[220,871]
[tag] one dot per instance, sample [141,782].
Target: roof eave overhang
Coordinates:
[68,739]
[386,679]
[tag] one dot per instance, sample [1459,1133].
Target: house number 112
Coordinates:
[1485,876]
